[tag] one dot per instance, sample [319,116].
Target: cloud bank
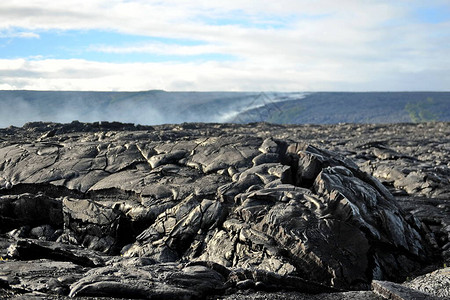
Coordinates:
[227,45]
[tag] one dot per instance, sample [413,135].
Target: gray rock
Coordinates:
[29,209]
[174,230]
[163,159]
[390,290]
[436,283]
[269,145]
[265,158]
[29,249]
[21,232]
[44,232]
[93,225]
[360,295]
[165,281]
[245,210]
[245,284]
[41,275]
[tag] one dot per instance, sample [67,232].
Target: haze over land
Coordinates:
[160,107]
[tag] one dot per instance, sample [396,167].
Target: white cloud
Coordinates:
[20,34]
[85,75]
[211,76]
[180,18]
[159,48]
[310,45]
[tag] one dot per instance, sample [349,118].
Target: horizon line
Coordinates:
[225,91]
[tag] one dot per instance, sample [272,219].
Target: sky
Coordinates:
[233,45]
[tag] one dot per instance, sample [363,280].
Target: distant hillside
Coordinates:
[160,107]
[343,107]
[149,107]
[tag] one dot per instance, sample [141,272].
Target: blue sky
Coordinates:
[283,45]
[88,45]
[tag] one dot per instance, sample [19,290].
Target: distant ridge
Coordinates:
[356,107]
[161,107]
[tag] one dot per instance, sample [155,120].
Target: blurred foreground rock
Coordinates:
[195,211]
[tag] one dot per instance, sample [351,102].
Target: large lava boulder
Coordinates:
[309,213]
[341,227]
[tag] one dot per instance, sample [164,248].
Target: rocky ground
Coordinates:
[223,211]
